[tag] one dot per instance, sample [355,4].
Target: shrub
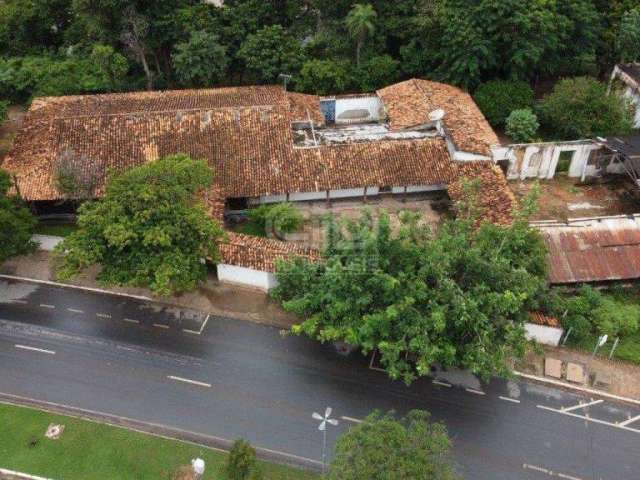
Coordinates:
[241,462]
[278,219]
[4,107]
[16,222]
[615,318]
[581,108]
[498,98]
[522,125]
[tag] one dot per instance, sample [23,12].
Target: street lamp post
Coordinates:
[323,428]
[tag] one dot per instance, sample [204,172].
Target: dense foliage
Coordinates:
[458,296]
[4,110]
[276,219]
[580,108]
[382,447]
[149,229]
[522,125]
[16,222]
[498,98]
[242,463]
[466,42]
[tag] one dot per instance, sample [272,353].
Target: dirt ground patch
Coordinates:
[563,197]
[212,297]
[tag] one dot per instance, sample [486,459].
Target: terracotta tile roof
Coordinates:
[592,254]
[409,104]
[302,106]
[540,318]
[497,201]
[260,253]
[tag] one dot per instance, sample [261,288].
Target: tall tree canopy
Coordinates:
[361,24]
[382,447]
[149,230]
[201,60]
[458,296]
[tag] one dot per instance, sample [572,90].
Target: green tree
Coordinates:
[382,447]
[4,108]
[581,108]
[324,77]
[361,24]
[112,64]
[377,72]
[522,125]
[498,98]
[628,40]
[16,222]
[241,462]
[150,229]
[277,219]
[201,61]
[459,296]
[270,52]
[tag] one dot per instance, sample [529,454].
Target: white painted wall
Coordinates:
[46,242]
[246,276]
[633,97]
[543,334]
[372,104]
[348,193]
[419,188]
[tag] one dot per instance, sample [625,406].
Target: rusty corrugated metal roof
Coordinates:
[593,253]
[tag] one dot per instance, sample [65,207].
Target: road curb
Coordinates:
[79,287]
[158,430]
[590,391]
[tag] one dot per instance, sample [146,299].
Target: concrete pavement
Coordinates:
[237,379]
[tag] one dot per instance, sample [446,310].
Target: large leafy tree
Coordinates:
[458,296]
[270,52]
[149,230]
[361,24]
[16,222]
[201,61]
[581,108]
[382,447]
[628,40]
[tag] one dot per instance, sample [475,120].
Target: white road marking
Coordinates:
[23,302]
[34,349]
[198,332]
[568,477]
[44,305]
[526,466]
[509,399]
[75,310]
[584,417]
[473,390]
[103,315]
[582,405]
[160,325]
[130,320]
[442,384]
[186,380]
[351,419]
[631,420]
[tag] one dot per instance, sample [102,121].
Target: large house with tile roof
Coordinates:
[266,144]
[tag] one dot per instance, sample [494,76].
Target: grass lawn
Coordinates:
[251,228]
[628,349]
[56,230]
[88,451]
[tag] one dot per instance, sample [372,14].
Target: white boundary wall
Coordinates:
[246,276]
[371,104]
[46,242]
[543,334]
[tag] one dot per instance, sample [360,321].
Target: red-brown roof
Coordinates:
[540,318]
[592,254]
[409,103]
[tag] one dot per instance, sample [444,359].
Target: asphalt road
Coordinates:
[232,379]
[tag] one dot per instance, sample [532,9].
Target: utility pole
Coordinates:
[285,79]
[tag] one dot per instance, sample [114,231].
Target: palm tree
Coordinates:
[360,23]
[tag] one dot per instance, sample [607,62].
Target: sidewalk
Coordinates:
[212,297]
[612,376]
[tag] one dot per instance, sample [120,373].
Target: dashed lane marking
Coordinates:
[551,473]
[587,418]
[568,477]
[23,302]
[161,325]
[187,380]
[44,305]
[442,384]
[103,315]
[631,420]
[351,419]
[34,349]
[526,466]
[75,310]
[474,391]
[130,320]
[582,405]
[509,399]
